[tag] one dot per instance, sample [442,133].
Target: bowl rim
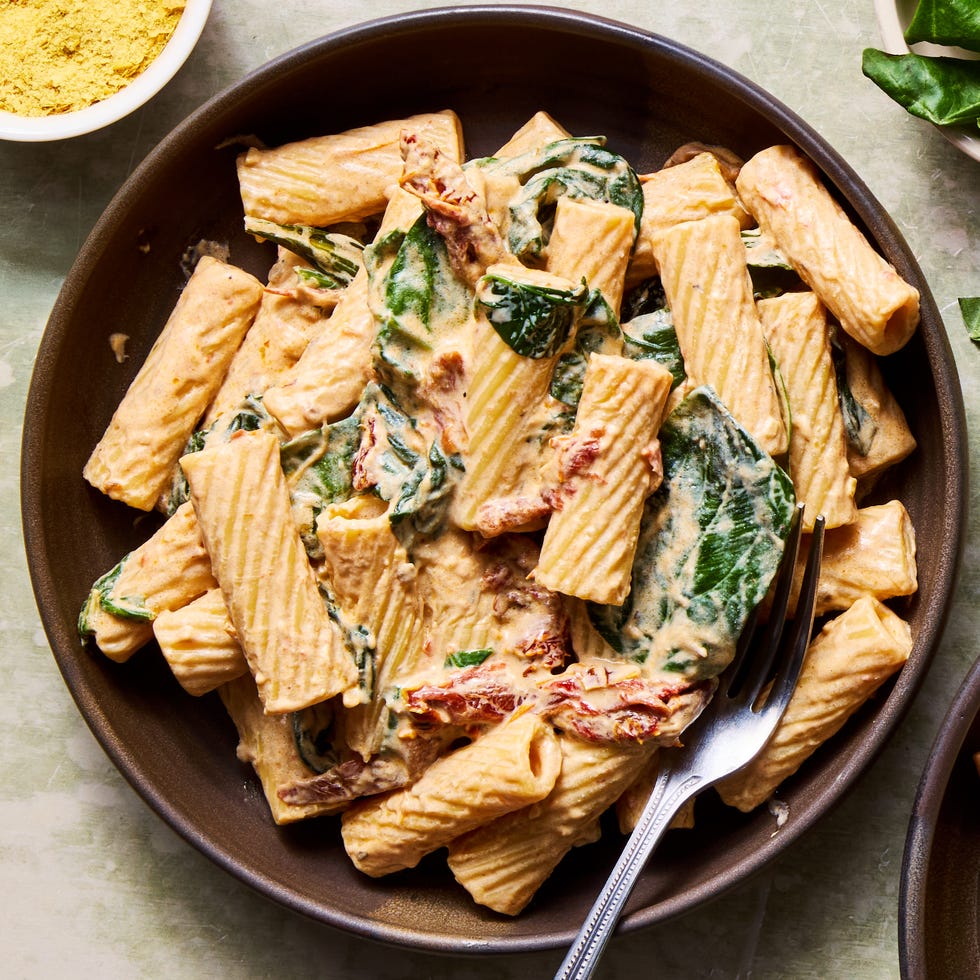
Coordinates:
[39,129]
[834,168]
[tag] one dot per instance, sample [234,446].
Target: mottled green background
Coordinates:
[92,883]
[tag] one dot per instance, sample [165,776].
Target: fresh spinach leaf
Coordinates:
[126,607]
[414,294]
[417,477]
[954,22]
[970,311]
[945,91]
[575,167]
[336,257]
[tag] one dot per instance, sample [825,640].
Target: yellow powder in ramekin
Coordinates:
[62,55]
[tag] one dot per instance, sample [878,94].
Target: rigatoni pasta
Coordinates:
[484,489]
[294,650]
[134,459]
[849,660]
[874,304]
[705,276]
[455,796]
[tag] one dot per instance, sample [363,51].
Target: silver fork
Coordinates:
[730,733]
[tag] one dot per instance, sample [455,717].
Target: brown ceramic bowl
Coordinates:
[939,910]
[648,95]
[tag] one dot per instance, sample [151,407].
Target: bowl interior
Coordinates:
[647,95]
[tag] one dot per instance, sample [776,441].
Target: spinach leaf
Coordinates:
[467,658]
[126,607]
[646,297]
[313,735]
[946,91]
[710,543]
[414,294]
[533,319]
[652,336]
[336,257]
[946,22]
[598,332]
[859,425]
[575,167]
[970,311]
[318,466]
[417,477]
[769,268]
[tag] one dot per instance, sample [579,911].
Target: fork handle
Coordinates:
[668,795]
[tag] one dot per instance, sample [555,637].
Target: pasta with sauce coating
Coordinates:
[459,566]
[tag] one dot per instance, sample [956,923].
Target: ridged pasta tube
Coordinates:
[592,240]
[685,192]
[509,767]
[284,325]
[375,586]
[781,189]
[199,643]
[889,438]
[167,571]
[706,280]
[294,650]
[873,556]
[326,382]
[606,475]
[268,743]
[504,863]
[341,177]
[795,325]
[847,662]
[133,461]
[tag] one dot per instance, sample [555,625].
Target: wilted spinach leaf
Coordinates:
[710,543]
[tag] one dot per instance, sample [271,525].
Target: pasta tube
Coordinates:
[294,650]
[795,325]
[133,461]
[268,743]
[504,460]
[504,863]
[686,192]
[884,437]
[342,177]
[538,131]
[592,240]
[873,303]
[873,556]
[375,587]
[198,642]
[327,381]
[166,572]
[709,292]
[605,467]
[284,325]
[509,767]
[849,659]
